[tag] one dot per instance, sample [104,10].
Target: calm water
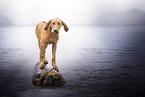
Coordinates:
[95,61]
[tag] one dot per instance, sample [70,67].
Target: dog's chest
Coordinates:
[52,40]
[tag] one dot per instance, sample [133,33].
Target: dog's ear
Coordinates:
[65,26]
[47,25]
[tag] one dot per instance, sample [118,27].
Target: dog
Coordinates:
[48,33]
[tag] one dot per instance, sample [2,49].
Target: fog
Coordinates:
[95,61]
[73,12]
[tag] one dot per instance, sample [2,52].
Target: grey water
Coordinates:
[95,62]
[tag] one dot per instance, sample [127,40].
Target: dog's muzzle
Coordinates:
[55,32]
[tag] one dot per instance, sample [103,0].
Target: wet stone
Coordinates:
[47,77]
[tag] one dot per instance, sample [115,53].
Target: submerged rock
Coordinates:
[47,77]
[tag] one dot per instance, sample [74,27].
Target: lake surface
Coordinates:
[95,61]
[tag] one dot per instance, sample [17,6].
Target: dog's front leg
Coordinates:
[42,54]
[53,57]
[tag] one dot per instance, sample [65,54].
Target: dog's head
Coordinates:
[55,25]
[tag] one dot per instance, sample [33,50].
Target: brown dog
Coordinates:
[48,33]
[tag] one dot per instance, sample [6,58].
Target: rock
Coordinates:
[47,77]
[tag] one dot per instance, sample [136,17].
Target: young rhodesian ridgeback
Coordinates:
[48,33]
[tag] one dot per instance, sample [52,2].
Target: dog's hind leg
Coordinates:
[45,61]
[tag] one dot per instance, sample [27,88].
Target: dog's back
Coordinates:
[39,29]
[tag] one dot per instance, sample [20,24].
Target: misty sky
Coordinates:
[73,12]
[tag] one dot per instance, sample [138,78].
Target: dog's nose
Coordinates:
[55,30]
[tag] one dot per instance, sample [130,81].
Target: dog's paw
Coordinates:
[41,65]
[56,68]
[45,62]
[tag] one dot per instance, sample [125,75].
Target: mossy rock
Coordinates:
[47,77]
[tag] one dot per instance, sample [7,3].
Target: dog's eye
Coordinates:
[58,23]
[52,23]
